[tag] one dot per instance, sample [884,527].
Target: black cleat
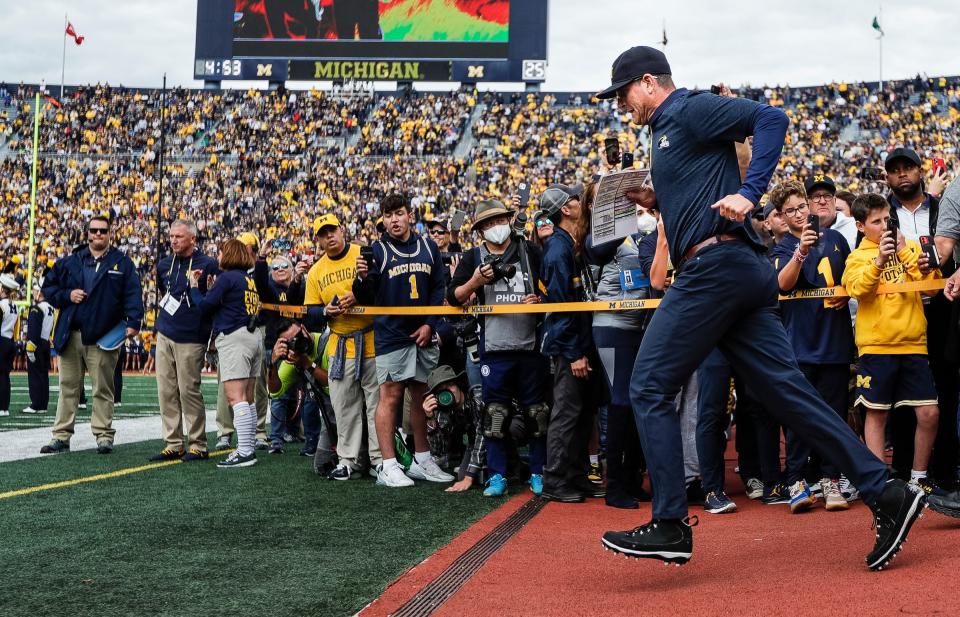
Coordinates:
[948,504]
[55,447]
[895,511]
[668,540]
[562,494]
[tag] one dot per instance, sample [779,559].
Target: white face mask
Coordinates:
[646,223]
[497,234]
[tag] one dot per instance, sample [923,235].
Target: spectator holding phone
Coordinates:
[352,378]
[891,333]
[819,329]
[915,211]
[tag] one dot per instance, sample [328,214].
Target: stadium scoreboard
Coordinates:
[372,40]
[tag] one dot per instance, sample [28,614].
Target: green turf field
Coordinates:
[187,539]
[139,399]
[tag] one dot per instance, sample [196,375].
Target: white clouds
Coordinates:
[135,41]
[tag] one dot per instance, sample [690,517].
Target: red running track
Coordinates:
[761,560]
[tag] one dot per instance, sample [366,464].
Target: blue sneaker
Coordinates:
[536,483]
[800,497]
[496,486]
[717,502]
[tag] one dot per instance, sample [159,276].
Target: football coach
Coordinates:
[725,283]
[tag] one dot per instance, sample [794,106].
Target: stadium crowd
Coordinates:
[260,206]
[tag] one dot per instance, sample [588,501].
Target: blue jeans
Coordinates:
[726,297]
[279,412]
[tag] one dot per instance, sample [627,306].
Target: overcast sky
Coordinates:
[134,42]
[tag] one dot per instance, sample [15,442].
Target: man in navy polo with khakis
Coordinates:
[725,295]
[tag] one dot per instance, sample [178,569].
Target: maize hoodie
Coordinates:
[887,324]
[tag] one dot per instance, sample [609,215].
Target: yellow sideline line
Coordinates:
[100,476]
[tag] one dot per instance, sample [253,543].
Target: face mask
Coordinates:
[646,223]
[497,234]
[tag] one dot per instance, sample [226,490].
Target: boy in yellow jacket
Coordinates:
[891,332]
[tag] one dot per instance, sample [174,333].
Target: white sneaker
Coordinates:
[848,490]
[4,413]
[754,488]
[429,471]
[82,406]
[392,477]
[223,443]
[117,405]
[29,410]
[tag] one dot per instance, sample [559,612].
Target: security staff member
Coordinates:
[511,367]
[97,290]
[182,334]
[39,329]
[726,288]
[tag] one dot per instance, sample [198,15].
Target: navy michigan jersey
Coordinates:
[820,335]
[407,273]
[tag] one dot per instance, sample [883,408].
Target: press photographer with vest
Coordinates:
[510,364]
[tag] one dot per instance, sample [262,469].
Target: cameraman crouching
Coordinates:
[297,361]
[510,365]
[450,410]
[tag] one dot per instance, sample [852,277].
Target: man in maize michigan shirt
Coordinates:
[354,391]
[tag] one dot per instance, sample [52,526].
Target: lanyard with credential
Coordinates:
[184,295]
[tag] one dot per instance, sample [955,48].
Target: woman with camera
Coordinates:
[233,301]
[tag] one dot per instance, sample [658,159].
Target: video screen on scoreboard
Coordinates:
[372,28]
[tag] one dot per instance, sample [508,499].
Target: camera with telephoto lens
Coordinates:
[300,344]
[520,224]
[446,401]
[500,269]
[466,330]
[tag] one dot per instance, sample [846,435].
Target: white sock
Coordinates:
[594,459]
[422,457]
[389,463]
[917,475]
[245,421]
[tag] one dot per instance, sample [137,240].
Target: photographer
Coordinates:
[448,409]
[297,362]
[279,283]
[511,366]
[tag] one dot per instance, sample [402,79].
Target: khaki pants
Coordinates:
[75,360]
[261,401]
[178,386]
[351,400]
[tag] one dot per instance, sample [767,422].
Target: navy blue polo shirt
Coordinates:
[695,162]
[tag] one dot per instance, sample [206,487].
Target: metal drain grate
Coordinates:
[450,580]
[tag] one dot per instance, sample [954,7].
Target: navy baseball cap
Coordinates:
[901,153]
[820,181]
[633,64]
[768,210]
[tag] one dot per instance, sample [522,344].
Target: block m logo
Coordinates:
[863,382]
[264,70]
[475,71]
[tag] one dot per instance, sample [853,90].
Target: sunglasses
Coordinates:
[279,267]
[544,223]
[99,230]
[437,232]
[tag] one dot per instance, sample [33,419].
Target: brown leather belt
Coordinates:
[696,248]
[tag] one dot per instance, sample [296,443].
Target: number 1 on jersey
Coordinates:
[824,268]
[414,295]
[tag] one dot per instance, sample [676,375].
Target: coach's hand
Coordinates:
[422,336]
[581,368]
[735,207]
[77,296]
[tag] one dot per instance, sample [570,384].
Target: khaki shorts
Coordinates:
[240,354]
[411,362]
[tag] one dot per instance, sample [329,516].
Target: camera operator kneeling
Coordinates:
[297,359]
[502,270]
